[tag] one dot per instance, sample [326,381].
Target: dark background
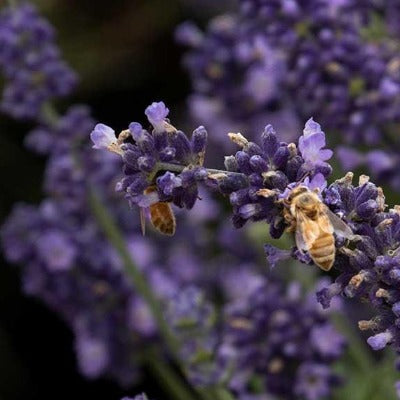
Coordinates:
[126,57]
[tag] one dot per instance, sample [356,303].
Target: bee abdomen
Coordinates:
[323,251]
[163,218]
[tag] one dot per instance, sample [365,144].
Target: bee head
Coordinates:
[307,200]
[296,192]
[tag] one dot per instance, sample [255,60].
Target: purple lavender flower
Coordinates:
[269,345]
[147,160]
[92,354]
[102,136]
[311,146]
[369,269]
[313,381]
[157,114]
[258,341]
[272,169]
[237,78]
[31,63]
[336,61]
[57,251]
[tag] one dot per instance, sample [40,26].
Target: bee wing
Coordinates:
[339,226]
[324,222]
[142,213]
[307,231]
[300,243]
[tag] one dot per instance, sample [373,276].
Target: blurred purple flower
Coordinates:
[320,58]
[312,381]
[57,250]
[31,63]
[92,354]
[349,158]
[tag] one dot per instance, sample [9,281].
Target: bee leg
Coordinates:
[291,221]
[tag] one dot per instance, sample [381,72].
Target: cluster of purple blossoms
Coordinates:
[270,170]
[255,178]
[236,79]
[30,62]
[299,59]
[269,339]
[70,266]
[151,154]
[258,177]
[370,270]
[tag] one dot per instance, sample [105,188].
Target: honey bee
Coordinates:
[314,225]
[161,216]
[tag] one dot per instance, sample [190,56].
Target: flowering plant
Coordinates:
[199,311]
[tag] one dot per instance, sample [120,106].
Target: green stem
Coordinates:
[223,394]
[358,350]
[12,3]
[115,237]
[49,114]
[163,166]
[168,378]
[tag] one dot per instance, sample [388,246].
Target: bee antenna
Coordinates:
[300,180]
[304,176]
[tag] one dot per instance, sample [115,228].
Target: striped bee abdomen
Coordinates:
[323,250]
[162,218]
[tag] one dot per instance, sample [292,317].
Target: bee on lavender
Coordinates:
[162,216]
[314,225]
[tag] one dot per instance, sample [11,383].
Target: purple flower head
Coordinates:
[237,76]
[57,251]
[312,381]
[275,255]
[318,58]
[168,182]
[148,159]
[327,341]
[267,174]
[136,130]
[311,146]
[349,158]
[30,61]
[318,182]
[102,136]
[381,162]
[92,355]
[259,327]
[17,233]
[380,340]
[156,114]
[188,34]
[140,318]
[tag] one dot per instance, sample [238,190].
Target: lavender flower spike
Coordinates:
[30,61]
[164,158]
